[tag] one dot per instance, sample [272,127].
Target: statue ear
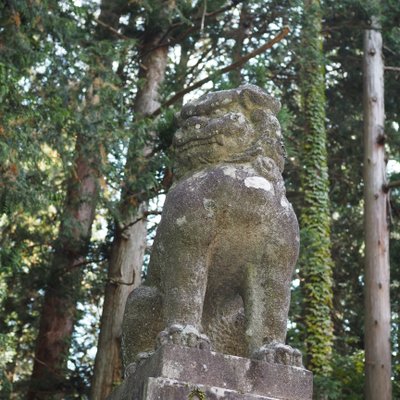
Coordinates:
[247,98]
[251,97]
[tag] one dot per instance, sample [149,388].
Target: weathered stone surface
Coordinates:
[223,257]
[175,372]
[221,266]
[167,389]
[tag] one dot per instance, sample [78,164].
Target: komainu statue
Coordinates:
[223,257]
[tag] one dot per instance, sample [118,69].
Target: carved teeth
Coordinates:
[198,140]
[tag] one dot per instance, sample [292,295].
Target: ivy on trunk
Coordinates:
[315,220]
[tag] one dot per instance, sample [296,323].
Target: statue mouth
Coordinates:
[198,131]
[195,141]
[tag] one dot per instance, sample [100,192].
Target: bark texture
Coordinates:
[130,238]
[59,306]
[377,270]
[124,275]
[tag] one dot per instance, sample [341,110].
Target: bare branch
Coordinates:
[111,29]
[392,69]
[118,282]
[144,217]
[228,68]
[391,185]
[196,24]
[203,16]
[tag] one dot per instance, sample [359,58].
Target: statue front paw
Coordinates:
[279,353]
[183,335]
[139,360]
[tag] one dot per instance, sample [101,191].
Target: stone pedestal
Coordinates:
[183,373]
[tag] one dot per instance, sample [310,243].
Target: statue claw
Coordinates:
[279,353]
[183,335]
[140,359]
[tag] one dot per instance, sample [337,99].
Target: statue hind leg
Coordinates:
[142,322]
[266,302]
[224,322]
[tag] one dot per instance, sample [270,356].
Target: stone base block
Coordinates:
[170,389]
[183,373]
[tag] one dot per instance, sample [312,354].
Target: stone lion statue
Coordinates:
[223,257]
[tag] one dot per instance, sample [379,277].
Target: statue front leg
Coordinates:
[142,321]
[183,248]
[184,292]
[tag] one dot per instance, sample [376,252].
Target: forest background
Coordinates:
[88,94]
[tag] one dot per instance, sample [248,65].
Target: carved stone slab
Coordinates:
[178,372]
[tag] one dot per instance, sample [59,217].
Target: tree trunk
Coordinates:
[130,238]
[315,220]
[235,76]
[59,305]
[377,270]
[123,275]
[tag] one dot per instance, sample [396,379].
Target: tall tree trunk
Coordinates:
[315,220]
[130,236]
[377,270]
[59,306]
[63,288]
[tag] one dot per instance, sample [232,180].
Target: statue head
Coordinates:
[234,125]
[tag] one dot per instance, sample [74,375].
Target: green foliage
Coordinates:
[395,284]
[197,394]
[346,381]
[52,53]
[8,353]
[46,52]
[166,127]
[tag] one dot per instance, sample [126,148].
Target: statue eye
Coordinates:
[232,116]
